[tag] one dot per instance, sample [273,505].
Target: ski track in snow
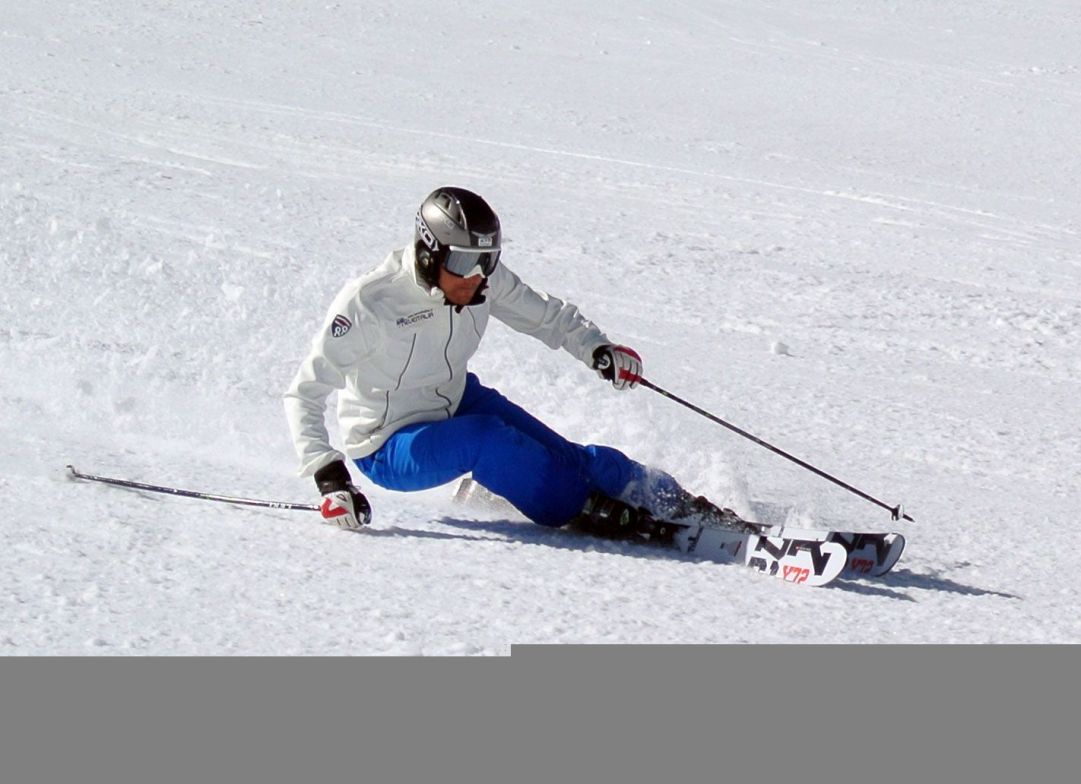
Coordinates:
[885,194]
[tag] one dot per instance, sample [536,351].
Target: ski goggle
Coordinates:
[467,262]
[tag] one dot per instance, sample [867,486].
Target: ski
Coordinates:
[867,554]
[812,562]
[804,555]
[804,561]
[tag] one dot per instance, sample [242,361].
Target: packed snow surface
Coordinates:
[850,228]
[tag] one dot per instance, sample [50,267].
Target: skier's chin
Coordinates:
[462,294]
[460,299]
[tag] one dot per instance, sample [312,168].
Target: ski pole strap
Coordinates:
[895,511]
[228,499]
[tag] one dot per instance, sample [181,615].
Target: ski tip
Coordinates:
[876,557]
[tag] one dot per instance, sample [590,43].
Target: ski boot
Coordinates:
[699,510]
[614,519]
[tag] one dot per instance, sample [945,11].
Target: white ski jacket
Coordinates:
[397,354]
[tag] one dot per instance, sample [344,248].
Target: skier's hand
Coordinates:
[342,503]
[619,364]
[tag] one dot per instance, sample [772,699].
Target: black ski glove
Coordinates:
[342,503]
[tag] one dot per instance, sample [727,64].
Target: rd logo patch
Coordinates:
[340,326]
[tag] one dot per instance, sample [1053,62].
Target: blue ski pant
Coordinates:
[508,451]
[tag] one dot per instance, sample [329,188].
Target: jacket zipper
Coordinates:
[446,358]
[386,408]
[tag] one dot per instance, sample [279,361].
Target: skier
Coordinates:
[396,343]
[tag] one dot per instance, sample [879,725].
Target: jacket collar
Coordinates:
[409,262]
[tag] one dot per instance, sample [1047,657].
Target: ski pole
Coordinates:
[896,511]
[76,474]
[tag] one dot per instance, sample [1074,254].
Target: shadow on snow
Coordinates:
[889,586]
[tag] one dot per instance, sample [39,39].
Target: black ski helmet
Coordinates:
[456,229]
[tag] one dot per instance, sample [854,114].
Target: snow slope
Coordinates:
[891,191]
